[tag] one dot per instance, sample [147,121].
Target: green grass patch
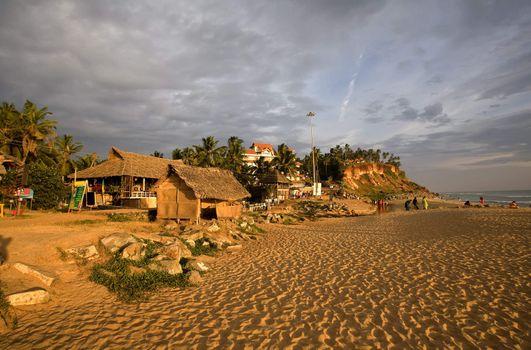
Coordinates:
[115,274]
[84,222]
[124,217]
[201,249]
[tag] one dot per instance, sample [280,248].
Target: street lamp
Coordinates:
[314,184]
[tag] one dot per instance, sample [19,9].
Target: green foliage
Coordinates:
[124,217]
[200,249]
[47,185]
[115,274]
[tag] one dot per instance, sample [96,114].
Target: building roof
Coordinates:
[250,151]
[121,163]
[274,178]
[263,146]
[210,183]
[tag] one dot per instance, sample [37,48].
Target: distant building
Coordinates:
[257,151]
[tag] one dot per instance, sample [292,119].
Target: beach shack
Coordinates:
[125,179]
[189,192]
[276,185]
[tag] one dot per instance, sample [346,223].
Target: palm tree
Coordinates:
[9,126]
[285,160]
[234,154]
[177,154]
[189,156]
[66,147]
[87,161]
[208,154]
[35,130]
[262,168]
[157,154]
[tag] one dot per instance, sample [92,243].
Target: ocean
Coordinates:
[522,197]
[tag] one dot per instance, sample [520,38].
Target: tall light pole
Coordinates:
[314,184]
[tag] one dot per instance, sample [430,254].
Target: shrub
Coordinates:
[47,184]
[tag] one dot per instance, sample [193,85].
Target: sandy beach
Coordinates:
[444,278]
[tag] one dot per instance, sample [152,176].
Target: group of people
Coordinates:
[415,203]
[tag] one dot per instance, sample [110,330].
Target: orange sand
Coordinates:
[425,279]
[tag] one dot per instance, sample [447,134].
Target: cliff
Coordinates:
[369,179]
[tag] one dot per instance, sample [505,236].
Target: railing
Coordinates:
[143,194]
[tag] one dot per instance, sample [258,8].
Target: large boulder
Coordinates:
[117,241]
[194,235]
[86,252]
[27,270]
[134,251]
[170,266]
[177,251]
[30,297]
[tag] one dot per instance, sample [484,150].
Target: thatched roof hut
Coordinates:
[276,185]
[121,163]
[274,178]
[125,178]
[188,191]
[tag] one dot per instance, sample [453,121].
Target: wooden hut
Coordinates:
[276,185]
[125,178]
[187,192]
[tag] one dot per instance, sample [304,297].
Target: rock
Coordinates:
[171,225]
[185,228]
[134,269]
[243,225]
[177,251]
[190,242]
[134,251]
[8,319]
[206,243]
[30,297]
[234,248]
[248,220]
[170,266]
[197,265]
[194,236]
[87,252]
[117,241]
[213,228]
[25,269]
[195,278]
[161,257]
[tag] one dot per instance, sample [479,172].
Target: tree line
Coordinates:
[330,166]
[29,137]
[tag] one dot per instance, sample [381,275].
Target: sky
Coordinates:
[446,85]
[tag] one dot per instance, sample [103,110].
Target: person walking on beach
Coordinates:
[481,201]
[415,203]
[406,204]
[425,203]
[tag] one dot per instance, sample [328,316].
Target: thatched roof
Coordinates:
[274,178]
[210,183]
[121,163]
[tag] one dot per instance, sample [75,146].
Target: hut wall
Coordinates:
[167,198]
[188,206]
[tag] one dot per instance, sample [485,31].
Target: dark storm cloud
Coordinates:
[145,74]
[433,113]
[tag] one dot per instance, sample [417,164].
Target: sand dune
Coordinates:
[437,279]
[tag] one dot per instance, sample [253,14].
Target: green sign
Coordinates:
[76,199]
